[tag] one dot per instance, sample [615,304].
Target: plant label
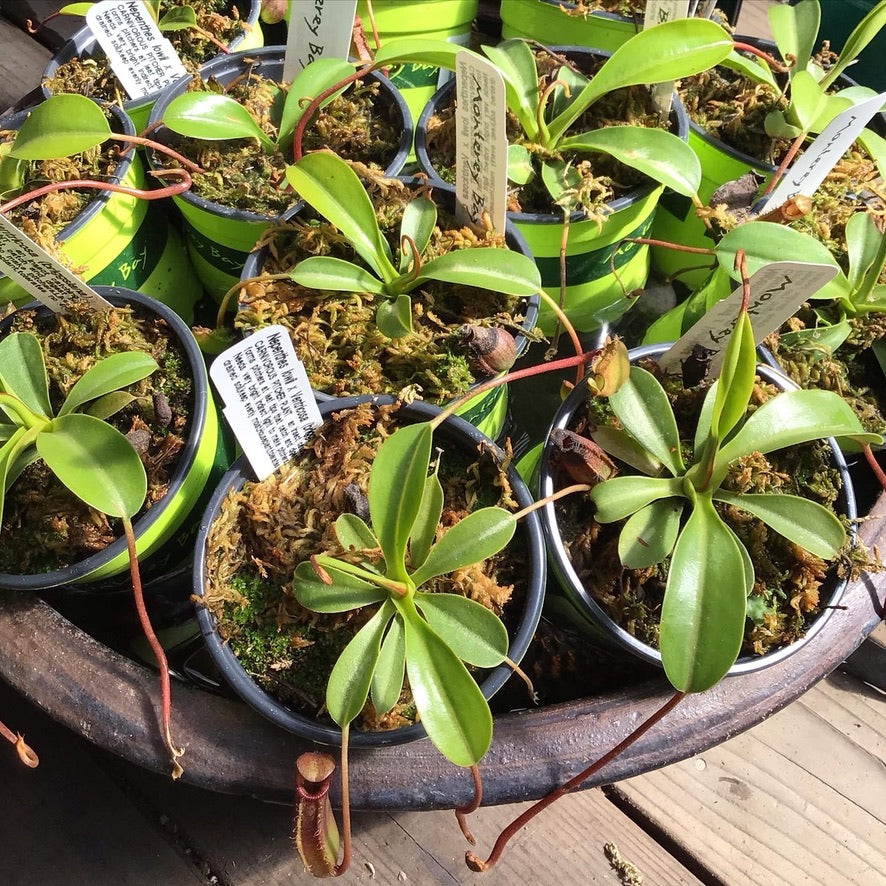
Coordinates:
[317,29]
[822,155]
[481,145]
[41,275]
[144,61]
[658,12]
[268,400]
[777,290]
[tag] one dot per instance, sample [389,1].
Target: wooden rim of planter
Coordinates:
[111,700]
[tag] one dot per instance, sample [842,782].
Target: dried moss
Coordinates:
[266,528]
[45,527]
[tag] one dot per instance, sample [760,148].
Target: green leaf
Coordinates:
[424,529]
[649,535]
[875,145]
[753,68]
[804,522]
[394,316]
[807,100]
[705,416]
[110,374]
[666,52]
[498,270]
[76,8]
[625,448]
[861,35]
[737,379]
[348,686]
[642,406]
[661,155]
[311,80]
[328,184]
[396,487]
[336,274]
[791,418]
[108,405]
[345,593]
[418,223]
[178,19]
[387,680]
[96,462]
[560,101]
[471,540]
[824,339]
[703,613]
[795,29]
[515,60]
[561,179]
[766,242]
[419,51]
[23,372]
[353,533]
[210,116]
[9,451]
[622,496]
[520,168]
[63,125]
[453,710]
[474,633]
[866,248]
[12,174]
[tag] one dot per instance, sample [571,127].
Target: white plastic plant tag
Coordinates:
[822,155]
[268,400]
[777,290]
[658,12]
[481,145]
[317,29]
[142,58]
[41,275]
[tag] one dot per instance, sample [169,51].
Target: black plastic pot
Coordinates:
[453,431]
[488,414]
[220,237]
[594,294]
[195,466]
[593,616]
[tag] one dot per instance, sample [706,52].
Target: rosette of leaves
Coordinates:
[548,118]
[89,456]
[426,636]
[670,507]
[333,189]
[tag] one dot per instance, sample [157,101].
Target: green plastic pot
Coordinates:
[197,464]
[219,238]
[120,240]
[441,20]
[546,22]
[594,294]
[488,412]
[84,44]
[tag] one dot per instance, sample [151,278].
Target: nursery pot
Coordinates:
[552,21]
[453,432]
[591,615]
[219,237]
[397,19]
[120,240]
[192,471]
[84,45]
[487,411]
[594,295]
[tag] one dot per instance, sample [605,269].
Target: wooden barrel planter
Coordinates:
[106,698]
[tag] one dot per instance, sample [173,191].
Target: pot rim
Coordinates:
[272,57]
[596,614]
[200,410]
[678,118]
[301,724]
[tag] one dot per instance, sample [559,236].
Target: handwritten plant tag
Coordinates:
[658,12]
[317,29]
[820,157]
[142,58]
[42,275]
[777,290]
[268,399]
[481,145]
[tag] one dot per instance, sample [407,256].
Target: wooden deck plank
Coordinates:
[795,800]
[21,64]
[246,843]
